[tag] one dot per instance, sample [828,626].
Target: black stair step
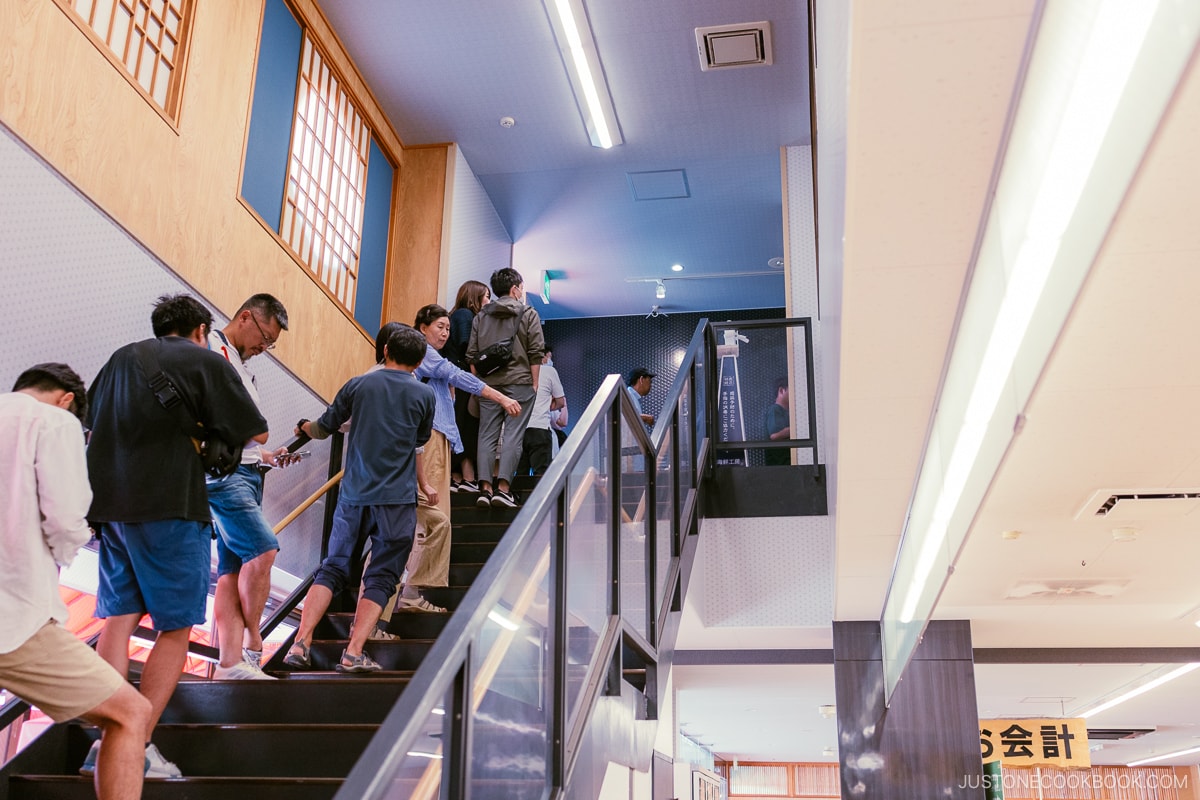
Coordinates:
[474,530]
[68,787]
[446,596]
[298,751]
[397,655]
[470,552]
[313,701]
[405,624]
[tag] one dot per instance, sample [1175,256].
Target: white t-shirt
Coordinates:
[549,389]
[219,344]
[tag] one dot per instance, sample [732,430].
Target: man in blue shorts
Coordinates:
[393,416]
[150,507]
[246,545]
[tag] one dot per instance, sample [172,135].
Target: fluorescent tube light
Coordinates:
[1164,757]
[1140,690]
[582,61]
[1100,77]
[422,754]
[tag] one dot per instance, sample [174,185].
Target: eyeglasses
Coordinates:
[268,342]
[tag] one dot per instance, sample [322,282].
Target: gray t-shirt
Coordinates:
[393,415]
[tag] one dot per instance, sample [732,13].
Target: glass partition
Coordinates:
[510,687]
[421,770]
[589,520]
[664,508]
[766,393]
[637,511]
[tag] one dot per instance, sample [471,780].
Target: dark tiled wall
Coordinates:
[586,350]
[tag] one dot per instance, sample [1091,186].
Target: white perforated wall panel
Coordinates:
[77,287]
[478,244]
[774,572]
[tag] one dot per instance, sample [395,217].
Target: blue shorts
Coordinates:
[236,505]
[161,568]
[390,529]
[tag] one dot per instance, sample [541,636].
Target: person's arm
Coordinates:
[64,494]
[510,406]
[561,420]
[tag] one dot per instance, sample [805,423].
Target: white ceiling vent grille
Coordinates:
[1139,505]
[726,46]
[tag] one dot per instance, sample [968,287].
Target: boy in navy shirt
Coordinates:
[393,416]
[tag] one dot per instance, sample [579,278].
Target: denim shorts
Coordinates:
[242,531]
[161,568]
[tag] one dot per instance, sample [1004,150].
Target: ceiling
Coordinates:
[449,70]
[926,97]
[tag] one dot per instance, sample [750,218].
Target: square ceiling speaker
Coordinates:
[726,46]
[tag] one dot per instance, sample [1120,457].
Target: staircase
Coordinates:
[295,738]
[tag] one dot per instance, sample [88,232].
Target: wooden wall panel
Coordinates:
[926,743]
[416,257]
[175,189]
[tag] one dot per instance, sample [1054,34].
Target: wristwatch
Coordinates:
[300,425]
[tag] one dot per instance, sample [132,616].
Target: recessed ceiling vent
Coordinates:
[1117,505]
[1116,734]
[726,46]
[1087,589]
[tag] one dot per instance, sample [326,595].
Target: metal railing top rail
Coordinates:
[372,774]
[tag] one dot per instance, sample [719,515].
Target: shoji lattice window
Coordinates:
[146,37]
[327,178]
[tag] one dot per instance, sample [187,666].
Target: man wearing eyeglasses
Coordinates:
[246,543]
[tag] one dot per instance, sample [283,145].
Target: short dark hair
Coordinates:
[51,376]
[503,280]
[405,346]
[179,315]
[269,306]
[780,383]
[639,373]
[381,338]
[427,315]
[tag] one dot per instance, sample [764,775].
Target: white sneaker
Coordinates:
[159,767]
[252,657]
[241,671]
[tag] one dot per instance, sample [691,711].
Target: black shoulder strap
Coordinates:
[164,391]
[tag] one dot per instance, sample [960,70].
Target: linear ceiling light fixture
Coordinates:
[581,59]
[1100,77]
[1164,757]
[1154,683]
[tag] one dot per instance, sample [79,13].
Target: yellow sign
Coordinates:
[1035,742]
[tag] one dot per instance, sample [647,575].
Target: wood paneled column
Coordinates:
[926,743]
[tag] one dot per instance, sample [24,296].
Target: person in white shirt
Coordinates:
[44,497]
[537,446]
[246,545]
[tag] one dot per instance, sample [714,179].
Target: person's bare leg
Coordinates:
[366,616]
[254,586]
[161,673]
[113,645]
[227,614]
[316,603]
[121,763]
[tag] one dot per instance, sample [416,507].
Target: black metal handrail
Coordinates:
[445,671]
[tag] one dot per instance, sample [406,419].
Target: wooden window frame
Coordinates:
[169,110]
[330,214]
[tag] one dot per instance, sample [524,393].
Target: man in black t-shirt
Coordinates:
[150,506]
